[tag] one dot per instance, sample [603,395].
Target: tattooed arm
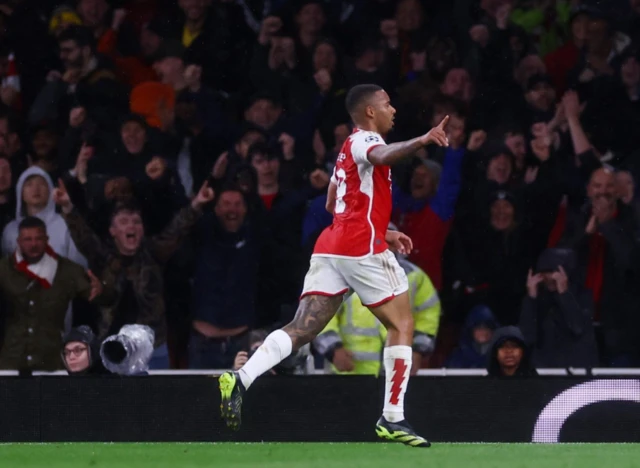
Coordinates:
[388,155]
[312,316]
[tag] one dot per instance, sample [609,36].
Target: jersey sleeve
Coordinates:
[363,144]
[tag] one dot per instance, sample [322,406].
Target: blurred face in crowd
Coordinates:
[92,12]
[499,169]
[518,146]
[35,193]
[187,113]
[635,6]
[458,84]
[482,334]
[195,10]
[625,186]
[44,144]
[527,67]
[231,210]
[73,56]
[311,18]
[598,35]
[423,184]
[248,139]
[409,15]
[150,42]
[580,28]
[548,281]
[541,97]
[267,169]
[133,136]
[602,186]
[9,140]
[510,355]
[127,231]
[324,56]
[630,72]
[370,59]
[263,113]
[439,113]
[32,243]
[5,176]
[341,133]
[502,215]
[170,70]
[76,355]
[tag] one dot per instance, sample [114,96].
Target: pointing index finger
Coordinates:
[444,122]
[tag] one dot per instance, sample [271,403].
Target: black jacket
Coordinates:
[559,328]
[226,273]
[620,297]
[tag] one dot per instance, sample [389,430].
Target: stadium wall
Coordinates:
[317,408]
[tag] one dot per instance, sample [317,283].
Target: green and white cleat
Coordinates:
[231,391]
[400,432]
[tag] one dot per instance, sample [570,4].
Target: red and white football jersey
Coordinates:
[363,202]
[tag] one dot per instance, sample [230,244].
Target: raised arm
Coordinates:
[388,155]
[86,241]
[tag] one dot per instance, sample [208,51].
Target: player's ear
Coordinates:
[369,112]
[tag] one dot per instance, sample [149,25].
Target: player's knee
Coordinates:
[298,338]
[298,342]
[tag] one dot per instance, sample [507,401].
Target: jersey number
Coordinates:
[341,177]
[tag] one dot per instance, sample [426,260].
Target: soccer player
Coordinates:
[354,253]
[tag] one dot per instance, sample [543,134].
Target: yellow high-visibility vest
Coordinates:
[361,333]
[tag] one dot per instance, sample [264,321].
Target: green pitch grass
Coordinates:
[318,455]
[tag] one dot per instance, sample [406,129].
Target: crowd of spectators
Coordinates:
[165,163]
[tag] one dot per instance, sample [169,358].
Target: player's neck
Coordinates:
[268,189]
[367,127]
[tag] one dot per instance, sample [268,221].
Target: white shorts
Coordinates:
[375,279]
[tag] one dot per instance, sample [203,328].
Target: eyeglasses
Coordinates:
[77,351]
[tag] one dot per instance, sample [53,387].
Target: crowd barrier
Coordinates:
[323,408]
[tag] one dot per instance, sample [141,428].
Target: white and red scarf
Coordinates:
[44,271]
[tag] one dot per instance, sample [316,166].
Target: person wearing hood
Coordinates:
[475,340]
[509,355]
[81,352]
[556,314]
[34,197]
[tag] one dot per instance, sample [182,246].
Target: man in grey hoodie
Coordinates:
[34,197]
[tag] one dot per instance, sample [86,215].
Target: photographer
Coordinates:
[556,317]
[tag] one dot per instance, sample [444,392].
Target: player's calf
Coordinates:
[313,314]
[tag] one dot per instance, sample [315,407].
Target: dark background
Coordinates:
[321,408]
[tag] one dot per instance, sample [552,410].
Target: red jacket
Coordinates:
[428,233]
[559,63]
